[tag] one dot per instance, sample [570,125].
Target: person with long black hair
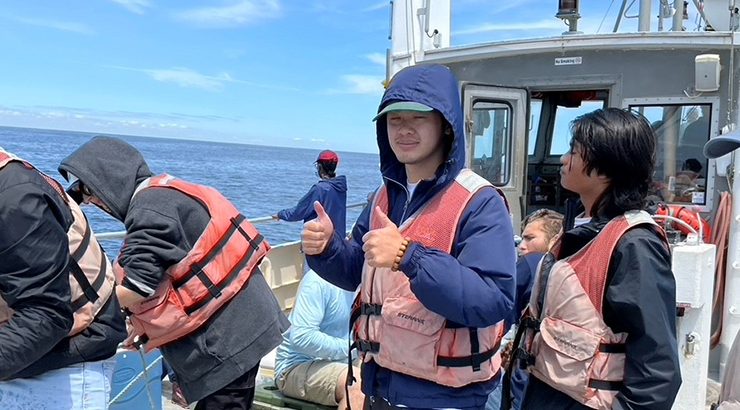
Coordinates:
[600,331]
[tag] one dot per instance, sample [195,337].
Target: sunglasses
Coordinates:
[85,190]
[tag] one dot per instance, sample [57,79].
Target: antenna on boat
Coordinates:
[568,12]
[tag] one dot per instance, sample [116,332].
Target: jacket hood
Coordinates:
[339,182]
[111,168]
[435,86]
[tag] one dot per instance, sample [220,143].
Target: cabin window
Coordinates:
[680,166]
[535,107]
[561,132]
[491,147]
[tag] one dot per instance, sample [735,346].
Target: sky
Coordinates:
[300,73]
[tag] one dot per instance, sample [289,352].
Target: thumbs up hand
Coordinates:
[317,232]
[381,245]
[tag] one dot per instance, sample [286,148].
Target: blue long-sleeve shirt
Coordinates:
[319,325]
[473,286]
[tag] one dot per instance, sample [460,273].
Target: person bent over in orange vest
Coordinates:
[187,272]
[600,330]
[434,256]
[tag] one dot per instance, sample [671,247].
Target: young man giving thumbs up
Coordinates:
[433,256]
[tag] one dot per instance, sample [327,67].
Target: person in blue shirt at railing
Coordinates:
[433,256]
[311,363]
[330,191]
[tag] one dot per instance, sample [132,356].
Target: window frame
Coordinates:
[629,103]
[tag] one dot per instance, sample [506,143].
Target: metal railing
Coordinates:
[119,235]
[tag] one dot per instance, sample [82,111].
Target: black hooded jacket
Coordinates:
[34,281]
[161,227]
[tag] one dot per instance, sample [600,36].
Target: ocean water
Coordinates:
[259,180]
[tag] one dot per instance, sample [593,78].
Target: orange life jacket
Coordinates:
[569,346]
[90,275]
[217,267]
[393,327]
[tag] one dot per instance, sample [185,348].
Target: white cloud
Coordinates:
[95,120]
[188,78]
[10,113]
[185,77]
[490,27]
[134,6]
[57,25]
[360,84]
[240,13]
[502,6]
[377,6]
[377,58]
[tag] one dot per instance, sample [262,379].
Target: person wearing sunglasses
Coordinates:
[60,323]
[187,273]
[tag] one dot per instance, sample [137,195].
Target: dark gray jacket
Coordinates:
[34,281]
[161,227]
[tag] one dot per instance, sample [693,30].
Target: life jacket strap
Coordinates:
[207,282]
[524,358]
[605,384]
[529,322]
[237,222]
[366,346]
[233,274]
[371,309]
[84,243]
[88,292]
[612,348]
[474,360]
[215,250]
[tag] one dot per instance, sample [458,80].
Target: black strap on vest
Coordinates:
[77,254]
[365,346]
[474,348]
[529,322]
[612,348]
[230,277]
[371,309]
[237,221]
[196,267]
[517,350]
[605,384]
[207,282]
[474,360]
[89,290]
[88,293]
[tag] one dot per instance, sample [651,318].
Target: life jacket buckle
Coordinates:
[371,309]
[368,346]
[531,323]
[524,358]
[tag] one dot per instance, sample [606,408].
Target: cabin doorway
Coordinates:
[495,121]
[549,138]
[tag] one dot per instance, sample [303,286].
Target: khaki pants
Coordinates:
[314,381]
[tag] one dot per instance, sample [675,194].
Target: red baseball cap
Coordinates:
[328,156]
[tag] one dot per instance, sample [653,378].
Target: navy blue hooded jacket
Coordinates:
[331,194]
[472,287]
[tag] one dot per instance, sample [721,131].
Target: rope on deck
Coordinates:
[144,373]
